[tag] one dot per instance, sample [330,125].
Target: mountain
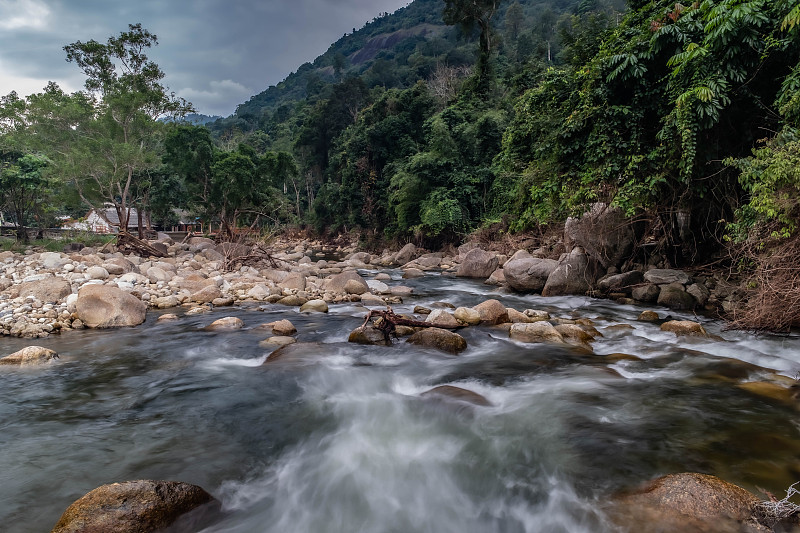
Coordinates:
[396,50]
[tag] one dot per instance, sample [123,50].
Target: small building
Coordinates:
[105,220]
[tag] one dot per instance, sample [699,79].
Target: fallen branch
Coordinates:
[388,321]
[127,242]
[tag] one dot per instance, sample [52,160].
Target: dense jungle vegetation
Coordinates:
[448,116]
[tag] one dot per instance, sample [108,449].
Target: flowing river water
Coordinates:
[341,441]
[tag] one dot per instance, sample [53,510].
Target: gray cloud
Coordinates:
[215,53]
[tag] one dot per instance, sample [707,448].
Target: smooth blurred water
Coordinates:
[342,441]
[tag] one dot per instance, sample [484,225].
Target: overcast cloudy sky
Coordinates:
[216,53]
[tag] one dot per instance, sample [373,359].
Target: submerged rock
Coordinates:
[131,507]
[30,356]
[441,339]
[450,392]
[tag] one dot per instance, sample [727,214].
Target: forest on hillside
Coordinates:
[451,116]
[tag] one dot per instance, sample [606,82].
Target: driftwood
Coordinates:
[127,242]
[388,321]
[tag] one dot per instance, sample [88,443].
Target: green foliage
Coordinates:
[23,189]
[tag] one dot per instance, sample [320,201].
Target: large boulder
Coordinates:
[48,290]
[314,306]
[207,294]
[575,274]
[675,296]
[131,507]
[492,312]
[30,356]
[688,502]
[406,254]
[106,306]
[338,282]
[478,263]
[441,339]
[603,232]
[528,273]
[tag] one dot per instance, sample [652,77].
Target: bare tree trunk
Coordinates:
[139,223]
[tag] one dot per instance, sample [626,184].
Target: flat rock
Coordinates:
[51,289]
[411,273]
[30,356]
[665,276]
[131,507]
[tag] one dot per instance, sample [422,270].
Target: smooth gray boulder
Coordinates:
[527,274]
[478,263]
[575,274]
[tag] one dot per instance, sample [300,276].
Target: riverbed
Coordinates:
[341,440]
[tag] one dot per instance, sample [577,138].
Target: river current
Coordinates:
[342,441]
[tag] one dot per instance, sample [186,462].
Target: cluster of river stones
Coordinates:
[47,292]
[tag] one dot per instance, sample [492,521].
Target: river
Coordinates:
[343,442]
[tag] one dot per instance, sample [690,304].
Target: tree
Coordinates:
[515,20]
[22,188]
[119,143]
[467,14]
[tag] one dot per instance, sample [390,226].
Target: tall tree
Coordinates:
[119,143]
[467,14]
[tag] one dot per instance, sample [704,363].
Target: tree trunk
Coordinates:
[139,225]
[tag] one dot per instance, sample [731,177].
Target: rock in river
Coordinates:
[688,502]
[441,339]
[106,306]
[131,507]
[456,393]
[30,356]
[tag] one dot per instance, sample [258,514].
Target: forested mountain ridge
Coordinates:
[401,48]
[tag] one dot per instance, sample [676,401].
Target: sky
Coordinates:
[215,53]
